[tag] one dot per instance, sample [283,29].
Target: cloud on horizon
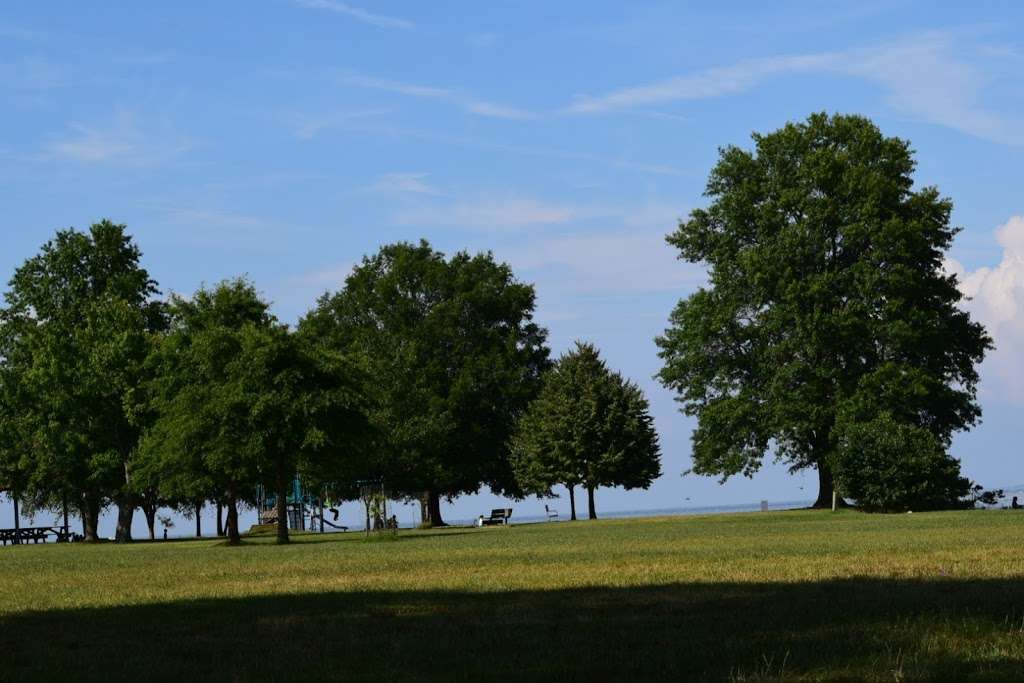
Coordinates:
[995,298]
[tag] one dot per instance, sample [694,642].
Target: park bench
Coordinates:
[552,515]
[498,516]
[268,516]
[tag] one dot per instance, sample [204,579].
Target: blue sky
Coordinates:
[284,139]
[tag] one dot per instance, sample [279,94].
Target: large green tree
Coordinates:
[196,447]
[454,357]
[240,401]
[73,342]
[589,426]
[305,407]
[826,302]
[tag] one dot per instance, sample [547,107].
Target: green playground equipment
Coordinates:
[304,508]
[307,510]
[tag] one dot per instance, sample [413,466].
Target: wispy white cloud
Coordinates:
[995,297]
[715,82]
[468,103]
[378,20]
[403,183]
[328,277]
[307,127]
[536,151]
[603,263]
[484,108]
[124,141]
[294,295]
[206,218]
[488,215]
[923,79]
[921,76]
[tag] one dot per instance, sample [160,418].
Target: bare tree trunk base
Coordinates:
[826,485]
[234,538]
[434,510]
[90,520]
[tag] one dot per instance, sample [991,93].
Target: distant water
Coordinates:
[581,511]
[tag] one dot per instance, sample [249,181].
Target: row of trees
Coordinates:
[422,371]
[828,334]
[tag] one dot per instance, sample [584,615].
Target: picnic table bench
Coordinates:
[498,516]
[34,534]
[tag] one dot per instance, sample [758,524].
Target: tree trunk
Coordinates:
[233,537]
[125,514]
[150,512]
[126,504]
[825,486]
[434,509]
[17,517]
[199,519]
[591,510]
[572,502]
[64,504]
[281,503]
[220,518]
[90,518]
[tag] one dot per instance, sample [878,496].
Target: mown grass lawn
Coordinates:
[761,596]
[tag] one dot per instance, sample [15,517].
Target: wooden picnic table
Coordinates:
[34,534]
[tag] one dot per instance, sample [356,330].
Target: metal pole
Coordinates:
[834,496]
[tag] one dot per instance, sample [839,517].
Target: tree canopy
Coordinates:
[194,446]
[74,336]
[589,426]
[826,303]
[242,401]
[453,356]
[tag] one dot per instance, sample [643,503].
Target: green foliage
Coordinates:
[193,447]
[588,426]
[889,466]
[826,301]
[74,337]
[453,355]
[242,401]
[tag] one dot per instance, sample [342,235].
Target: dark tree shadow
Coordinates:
[857,629]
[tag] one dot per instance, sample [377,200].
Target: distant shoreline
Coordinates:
[581,513]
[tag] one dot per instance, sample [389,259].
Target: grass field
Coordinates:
[762,596]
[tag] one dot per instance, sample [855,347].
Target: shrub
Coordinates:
[891,466]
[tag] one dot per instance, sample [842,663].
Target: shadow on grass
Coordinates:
[858,629]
